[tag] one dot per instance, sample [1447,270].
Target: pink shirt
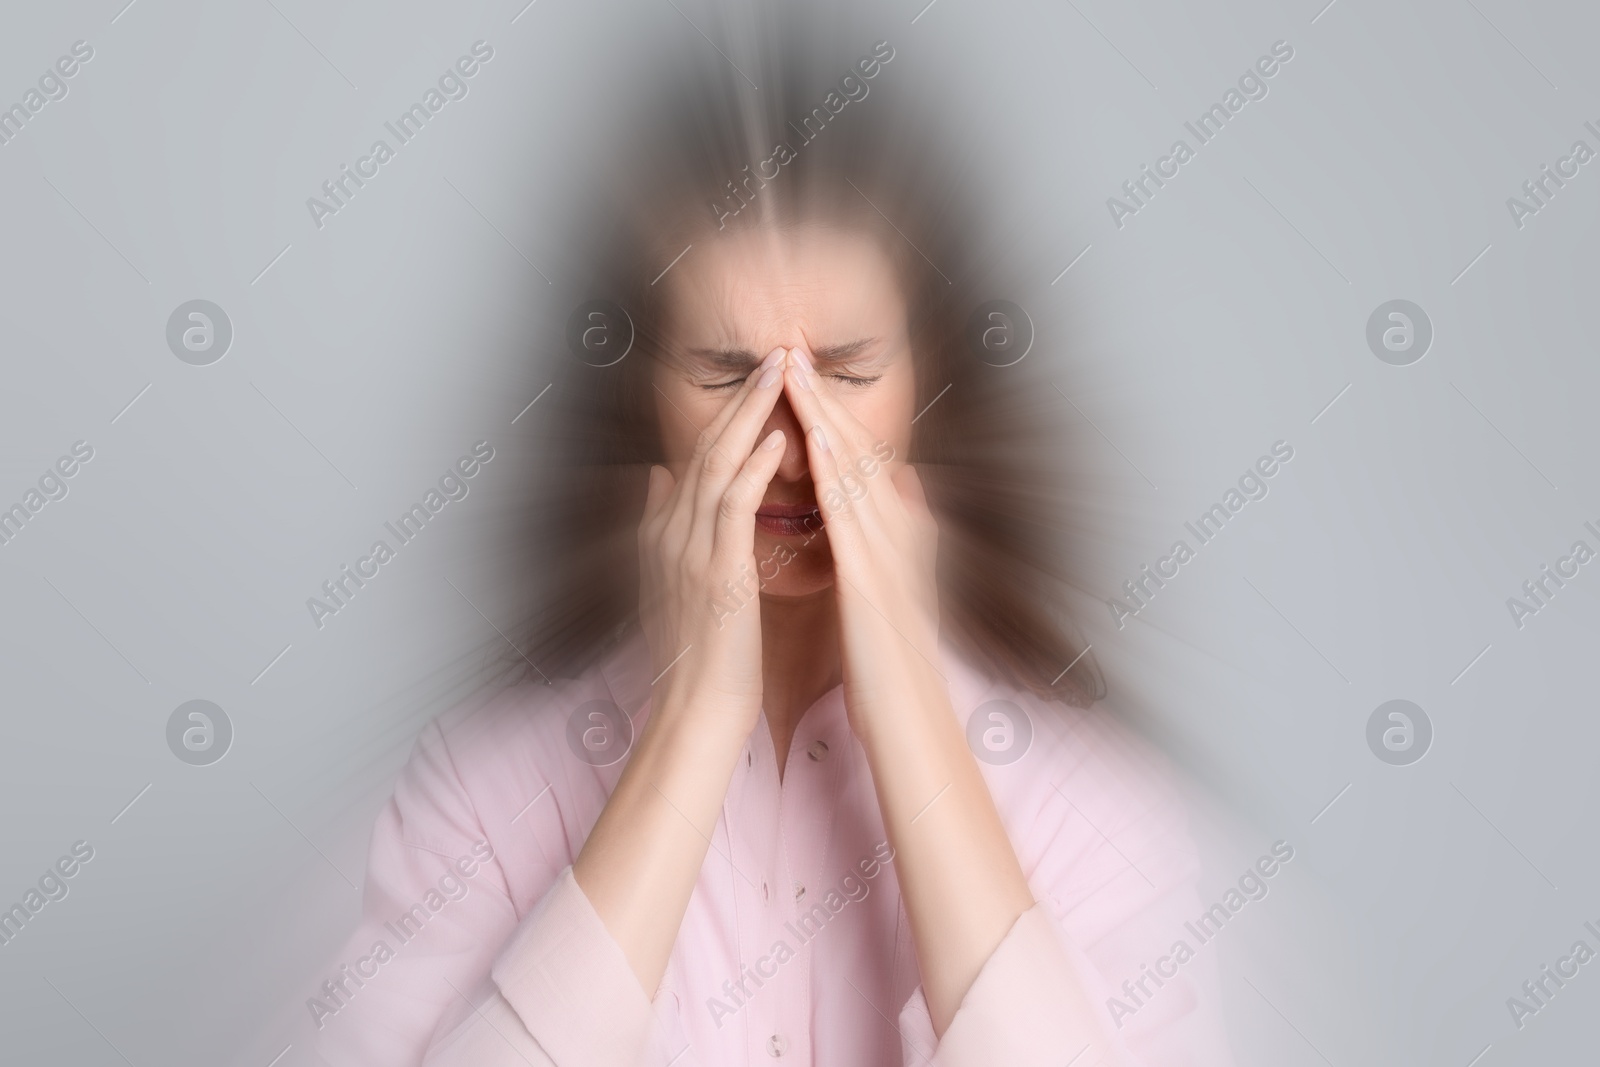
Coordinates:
[476,946]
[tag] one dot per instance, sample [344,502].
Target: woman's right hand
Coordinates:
[699,591]
[640,863]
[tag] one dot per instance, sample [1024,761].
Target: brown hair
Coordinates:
[987,445]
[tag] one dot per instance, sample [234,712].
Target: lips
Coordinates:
[789,520]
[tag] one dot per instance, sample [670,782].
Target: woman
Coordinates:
[833,794]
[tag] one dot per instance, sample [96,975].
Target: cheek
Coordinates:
[887,414]
[681,413]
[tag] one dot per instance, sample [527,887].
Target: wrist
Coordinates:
[891,707]
[710,724]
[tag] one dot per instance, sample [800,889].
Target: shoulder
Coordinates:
[1099,820]
[1089,802]
[560,740]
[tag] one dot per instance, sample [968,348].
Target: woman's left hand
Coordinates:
[959,878]
[884,541]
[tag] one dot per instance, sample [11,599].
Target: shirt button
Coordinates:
[818,751]
[766,894]
[799,891]
[776,1045]
[748,759]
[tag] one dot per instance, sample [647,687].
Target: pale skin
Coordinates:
[788,362]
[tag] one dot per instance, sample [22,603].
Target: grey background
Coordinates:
[1224,316]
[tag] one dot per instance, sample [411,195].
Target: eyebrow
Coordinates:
[743,358]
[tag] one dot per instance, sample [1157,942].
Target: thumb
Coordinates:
[909,485]
[657,489]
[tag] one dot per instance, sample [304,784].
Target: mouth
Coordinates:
[789,520]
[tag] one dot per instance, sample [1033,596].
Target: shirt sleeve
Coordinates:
[561,992]
[443,972]
[1113,873]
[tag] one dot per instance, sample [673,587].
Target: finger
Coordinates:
[657,488]
[708,436]
[657,494]
[736,435]
[909,484]
[856,438]
[801,384]
[722,465]
[734,540]
[862,456]
[709,448]
[841,519]
[842,470]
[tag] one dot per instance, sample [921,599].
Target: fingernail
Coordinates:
[768,378]
[774,439]
[802,373]
[773,357]
[822,438]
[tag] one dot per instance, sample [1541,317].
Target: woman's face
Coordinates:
[734,299]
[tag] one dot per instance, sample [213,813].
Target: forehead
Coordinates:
[819,281]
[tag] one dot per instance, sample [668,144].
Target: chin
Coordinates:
[795,588]
[802,570]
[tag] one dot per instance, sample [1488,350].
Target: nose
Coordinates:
[794,466]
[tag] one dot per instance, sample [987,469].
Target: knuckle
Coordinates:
[716,462]
[841,509]
[671,548]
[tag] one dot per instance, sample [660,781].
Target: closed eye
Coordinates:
[850,379]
